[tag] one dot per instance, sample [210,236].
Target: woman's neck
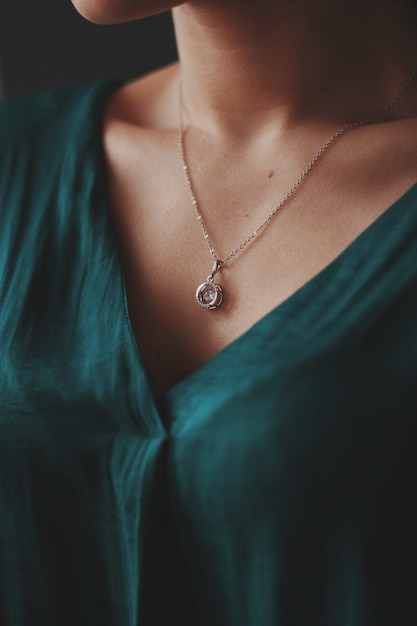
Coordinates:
[284,62]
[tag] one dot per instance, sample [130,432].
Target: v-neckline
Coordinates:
[288,304]
[280,310]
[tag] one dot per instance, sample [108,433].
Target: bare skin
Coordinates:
[252,124]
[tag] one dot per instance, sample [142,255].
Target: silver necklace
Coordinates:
[209,295]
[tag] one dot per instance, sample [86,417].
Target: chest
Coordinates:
[165,254]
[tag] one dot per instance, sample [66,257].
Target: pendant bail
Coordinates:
[217,265]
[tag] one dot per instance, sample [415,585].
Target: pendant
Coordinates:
[209,295]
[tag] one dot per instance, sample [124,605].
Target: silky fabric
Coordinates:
[274,486]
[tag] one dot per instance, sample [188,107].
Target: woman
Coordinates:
[228,439]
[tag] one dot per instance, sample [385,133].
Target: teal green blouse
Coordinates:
[275,486]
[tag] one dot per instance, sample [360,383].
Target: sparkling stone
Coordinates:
[209,295]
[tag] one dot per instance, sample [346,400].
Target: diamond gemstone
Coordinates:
[209,295]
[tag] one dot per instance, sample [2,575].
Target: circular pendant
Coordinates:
[209,295]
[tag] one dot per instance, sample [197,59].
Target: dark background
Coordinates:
[45,43]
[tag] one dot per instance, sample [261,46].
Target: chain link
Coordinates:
[293,188]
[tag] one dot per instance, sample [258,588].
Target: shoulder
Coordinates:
[48,142]
[47,118]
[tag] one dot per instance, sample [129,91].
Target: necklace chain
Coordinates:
[209,295]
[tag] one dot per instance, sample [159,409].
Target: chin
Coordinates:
[97,11]
[118,11]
